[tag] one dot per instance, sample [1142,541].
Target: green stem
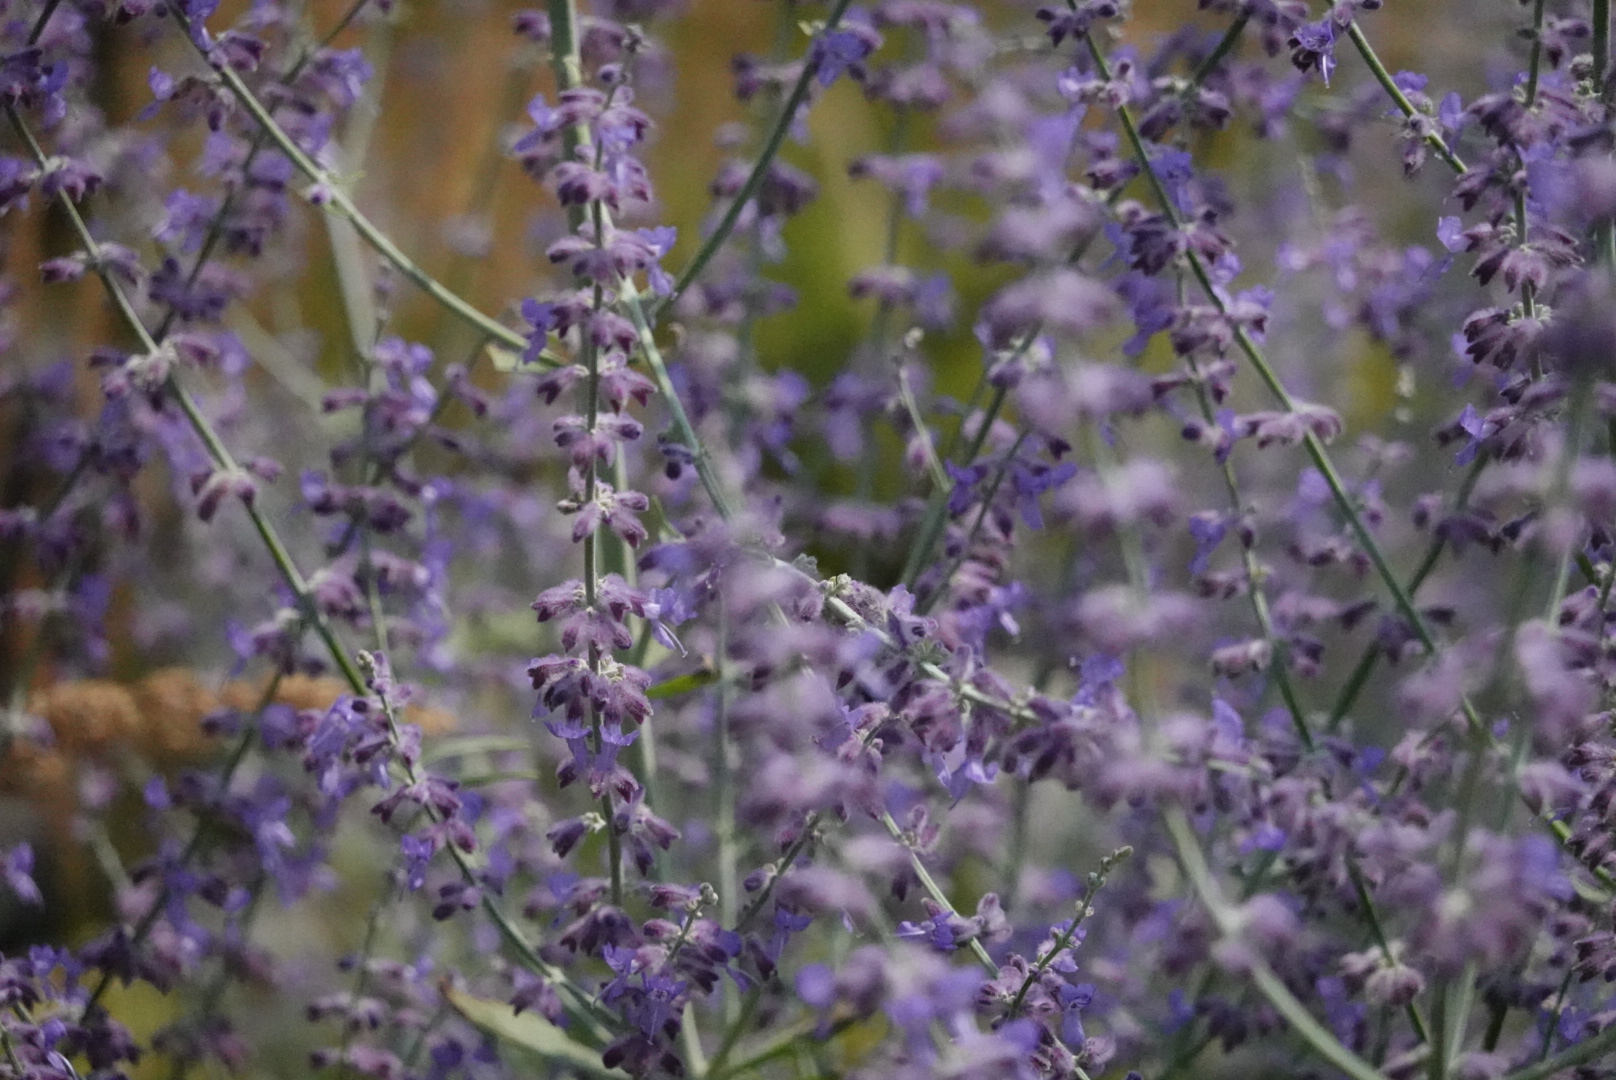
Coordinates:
[217,451]
[584,1008]
[780,1045]
[1534,64]
[928,447]
[1227,920]
[754,179]
[1372,917]
[44,19]
[1313,445]
[17,1069]
[1522,224]
[1280,668]
[215,233]
[1186,1057]
[1372,653]
[362,973]
[1279,658]
[1226,43]
[936,519]
[1436,1062]
[839,608]
[927,602]
[1270,379]
[1400,99]
[690,1039]
[1582,397]
[733,1033]
[1587,1050]
[1496,1013]
[340,202]
[1601,44]
[670,395]
[567,65]
[417,1044]
[782,867]
[1064,939]
[201,834]
[724,800]
[290,574]
[935,891]
[1553,1025]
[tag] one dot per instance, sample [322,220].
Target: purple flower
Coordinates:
[418,852]
[1313,46]
[837,52]
[666,609]
[1031,480]
[18,870]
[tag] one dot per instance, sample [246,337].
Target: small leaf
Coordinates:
[531,1032]
[472,780]
[682,684]
[472,745]
[850,1040]
[504,359]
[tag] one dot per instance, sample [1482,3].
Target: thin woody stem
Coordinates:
[279,554]
[1311,443]
[339,201]
[1434,138]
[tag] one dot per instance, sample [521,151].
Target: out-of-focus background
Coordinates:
[425,154]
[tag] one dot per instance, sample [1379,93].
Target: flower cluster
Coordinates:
[1064,543]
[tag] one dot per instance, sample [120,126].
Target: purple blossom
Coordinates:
[18,870]
[837,52]
[1313,47]
[1344,692]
